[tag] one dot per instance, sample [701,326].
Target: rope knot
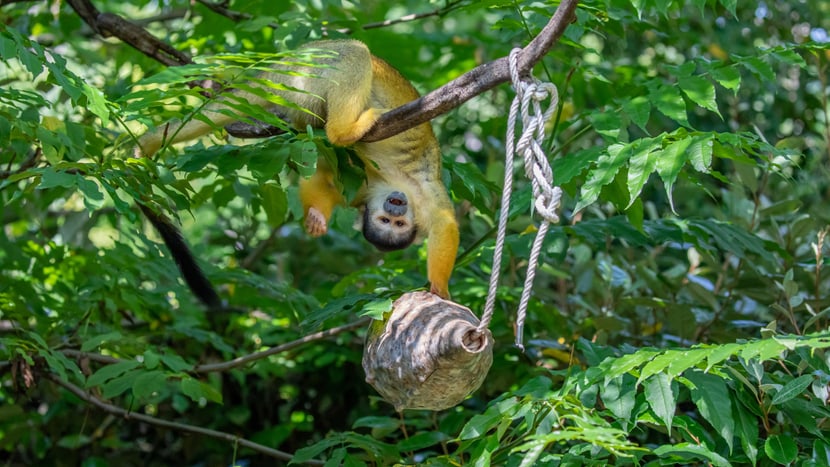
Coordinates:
[530,94]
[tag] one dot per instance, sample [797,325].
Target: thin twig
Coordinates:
[128,415]
[30,162]
[236,362]
[246,359]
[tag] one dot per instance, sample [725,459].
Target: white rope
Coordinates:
[530,93]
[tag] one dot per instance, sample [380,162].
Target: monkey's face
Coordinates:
[389,221]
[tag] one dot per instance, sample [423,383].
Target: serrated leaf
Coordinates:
[700,152]
[607,123]
[643,162]
[670,103]
[604,173]
[377,308]
[727,76]
[619,366]
[731,6]
[669,163]
[711,395]
[657,364]
[661,395]
[759,68]
[700,91]
[792,389]
[638,109]
[566,168]
[618,395]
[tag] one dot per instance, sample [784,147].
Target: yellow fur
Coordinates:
[356,88]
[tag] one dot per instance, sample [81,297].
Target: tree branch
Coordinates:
[474,82]
[244,360]
[442,100]
[128,415]
[108,25]
[236,362]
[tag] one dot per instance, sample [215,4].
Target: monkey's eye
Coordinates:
[384,220]
[400,223]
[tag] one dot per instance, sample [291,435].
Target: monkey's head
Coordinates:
[388,220]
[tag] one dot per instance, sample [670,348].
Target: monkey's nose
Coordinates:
[397,198]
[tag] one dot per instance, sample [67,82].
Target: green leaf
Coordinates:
[149,382]
[712,397]
[689,451]
[619,397]
[92,343]
[792,389]
[175,362]
[604,173]
[661,394]
[643,162]
[120,384]
[197,390]
[274,203]
[746,425]
[108,372]
[606,123]
[759,68]
[669,163]
[93,197]
[377,309]
[670,103]
[727,76]
[638,109]
[51,178]
[422,440]
[781,449]
[701,91]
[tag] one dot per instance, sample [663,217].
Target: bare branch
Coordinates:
[244,360]
[240,361]
[474,82]
[128,415]
[221,8]
[108,25]
[30,162]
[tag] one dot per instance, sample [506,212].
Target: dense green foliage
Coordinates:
[679,315]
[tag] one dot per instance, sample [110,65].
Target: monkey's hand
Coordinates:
[315,222]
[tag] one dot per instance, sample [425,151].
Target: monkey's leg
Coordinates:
[441,251]
[319,196]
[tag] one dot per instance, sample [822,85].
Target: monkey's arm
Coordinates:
[319,196]
[441,251]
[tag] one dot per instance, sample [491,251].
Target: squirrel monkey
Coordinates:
[404,196]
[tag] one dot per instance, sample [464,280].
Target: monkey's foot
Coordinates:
[315,223]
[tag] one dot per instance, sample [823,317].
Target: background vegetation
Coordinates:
[679,315]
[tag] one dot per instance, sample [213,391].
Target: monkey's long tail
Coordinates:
[192,273]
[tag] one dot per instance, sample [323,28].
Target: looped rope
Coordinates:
[530,93]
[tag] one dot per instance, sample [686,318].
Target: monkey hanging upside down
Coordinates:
[404,195]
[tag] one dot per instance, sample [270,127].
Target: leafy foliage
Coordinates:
[679,315]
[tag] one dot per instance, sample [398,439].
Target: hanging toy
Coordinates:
[428,353]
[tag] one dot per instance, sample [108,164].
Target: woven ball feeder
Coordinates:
[427,354]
